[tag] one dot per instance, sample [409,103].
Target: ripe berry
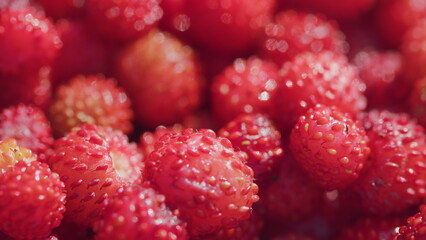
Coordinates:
[94,162]
[295,32]
[91,100]
[31,198]
[11,154]
[123,20]
[380,71]
[414,53]
[233,26]
[136,212]
[317,78]
[30,127]
[415,228]
[255,135]
[330,146]
[28,41]
[394,177]
[204,178]
[161,76]
[62,8]
[247,86]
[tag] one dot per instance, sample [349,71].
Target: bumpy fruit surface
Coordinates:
[203,177]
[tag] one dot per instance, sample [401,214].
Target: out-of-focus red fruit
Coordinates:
[380,71]
[414,53]
[294,32]
[62,8]
[394,17]
[81,53]
[371,229]
[247,86]
[232,26]
[123,20]
[148,140]
[162,78]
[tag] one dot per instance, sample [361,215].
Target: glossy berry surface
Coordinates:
[202,176]
[330,146]
[94,162]
[137,212]
[415,228]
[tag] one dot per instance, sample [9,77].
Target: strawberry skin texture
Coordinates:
[255,135]
[32,200]
[247,86]
[137,212]
[330,146]
[394,177]
[90,100]
[413,53]
[415,229]
[148,140]
[158,70]
[204,178]
[94,162]
[317,78]
[294,32]
[29,126]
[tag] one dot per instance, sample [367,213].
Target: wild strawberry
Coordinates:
[31,196]
[372,229]
[394,177]
[413,52]
[135,213]
[91,100]
[123,20]
[204,178]
[330,146]
[247,86]
[62,8]
[28,41]
[380,71]
[174,19]
[294,32]
[291,196]
[255,135]
[234,26]
[394,17]
[148,140]
[158,70]
[94,162]
[415,228]
[81,53]
[317,78]
[29,126]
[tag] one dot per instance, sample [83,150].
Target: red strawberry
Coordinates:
[156,71]
[81,53]
[148,140]
[136,213]
[380,71]
[31,196]
[123,20]
[29,126]
[94,162]
[204,178]
[394,178]
[28,41]
[394,17]
[91,100]
[174,19]
[417,101]
[322,78]
[233,26]
[415,228]
[294,32]
[11,154]
[291,196]
[255,135]
[371,229]
[330,146]
[62,8]
[414,53]
[247,86]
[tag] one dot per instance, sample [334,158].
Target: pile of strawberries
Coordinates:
[213,119]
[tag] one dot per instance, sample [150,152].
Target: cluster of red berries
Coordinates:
[213,119]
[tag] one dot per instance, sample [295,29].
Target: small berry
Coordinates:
[204,178]
[135,213]
[415,229]
[330,146]
[94,162]
[148,140]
